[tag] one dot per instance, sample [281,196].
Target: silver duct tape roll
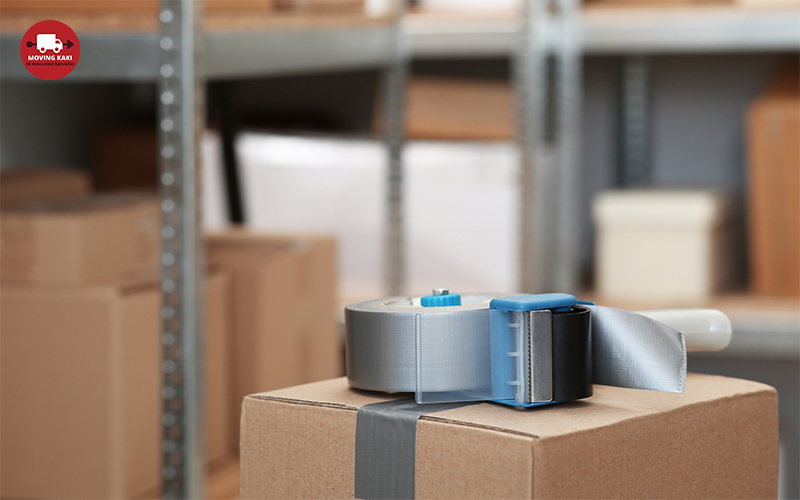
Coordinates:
[381,337]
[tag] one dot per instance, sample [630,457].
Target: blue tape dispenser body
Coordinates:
[518,368]
[511,346]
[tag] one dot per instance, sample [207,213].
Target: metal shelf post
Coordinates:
[181,121]
[395,89]
[550,174]
[569,82]
[536,217]
[635,167]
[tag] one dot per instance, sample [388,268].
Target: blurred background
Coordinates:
[638,153]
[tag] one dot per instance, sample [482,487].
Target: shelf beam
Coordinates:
[134,57]
[278,50]
[616,31]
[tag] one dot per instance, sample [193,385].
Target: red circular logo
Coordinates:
[50,50]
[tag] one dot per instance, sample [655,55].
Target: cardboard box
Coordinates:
[81,240]
[126,158]
[122,6]
[20,186]
[665,244]
[81,367]
[773,186]
[718,440]
[459,109]
[80,375]
[284,298]
[220,440]
[320,6]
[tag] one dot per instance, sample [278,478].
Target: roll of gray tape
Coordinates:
[381,343]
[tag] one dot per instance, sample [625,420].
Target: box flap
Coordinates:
[608,406]
[239,235]
[93,203]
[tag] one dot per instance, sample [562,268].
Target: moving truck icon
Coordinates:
[45,42]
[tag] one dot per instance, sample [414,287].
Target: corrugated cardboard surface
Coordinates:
[773,176]
[81,240]
[80,377]
[20,186]
[319,6]
[718,440]
[219,380]
[284,288]
[126,157]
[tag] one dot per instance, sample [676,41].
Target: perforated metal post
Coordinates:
[536,174]
[569,77]
[635,167]
[395,78]
[550,173]
[181,120]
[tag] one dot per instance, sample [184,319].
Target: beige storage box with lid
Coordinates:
[665,245]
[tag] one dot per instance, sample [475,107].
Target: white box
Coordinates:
[469,5]
[460,206]
[664,245]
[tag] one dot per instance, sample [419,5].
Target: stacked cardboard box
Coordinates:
[151,6]
[283,296]
[126,158]
[19,186]
[320,6]
[79,240]
[80,352]
[123,6]
[773,185]
[457,109]
[81,379]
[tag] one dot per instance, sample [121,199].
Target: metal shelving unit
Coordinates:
[564,33]
[133,56]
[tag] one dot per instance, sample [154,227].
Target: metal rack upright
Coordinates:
[181,119]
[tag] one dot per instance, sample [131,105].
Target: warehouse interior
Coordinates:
[186,214]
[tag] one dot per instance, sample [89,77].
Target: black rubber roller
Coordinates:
[572,354]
